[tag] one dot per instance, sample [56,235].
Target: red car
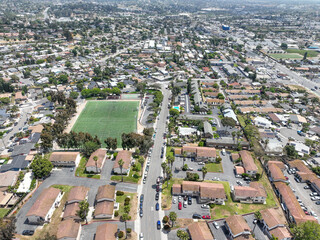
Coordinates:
[287,178]
[180,205]
[206,217]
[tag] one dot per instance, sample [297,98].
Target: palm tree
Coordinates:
[234,135]
[83,210]
[164,167]
[258,217]
[204,171]
[125,217]
[141,161]
[238,133]
[121,162]
[266,143]
[170,159]
[184,155]
[95,159]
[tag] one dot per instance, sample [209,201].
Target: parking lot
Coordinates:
[303,194]
[227,174]
[189,210]
[222,232]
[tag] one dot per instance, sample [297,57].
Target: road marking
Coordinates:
[151,208]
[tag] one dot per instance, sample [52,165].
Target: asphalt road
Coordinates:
[151,216]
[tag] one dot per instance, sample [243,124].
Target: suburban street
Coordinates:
[148,223]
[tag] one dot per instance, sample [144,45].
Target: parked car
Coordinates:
[206,217]
[141,212]
[179,199]
[157,196]
[144,180]
[318,202]
[205,206]
[158,224]
[297,179]
[313,194]
[180,206]
[174,200]
[216,225]
[27,232]
[141,236]
[157,206]
[306,187]
[185,203]
[196,216]
[189,200]
[200,163]
[157,188]
[141,198]
[158,180]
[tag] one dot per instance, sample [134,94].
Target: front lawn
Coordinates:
[81,170]
[214,167]
[133,177]
[3,211]
[166,196]
[232,208]
[132,204]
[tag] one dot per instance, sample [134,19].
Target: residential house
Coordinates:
[275,171]
[200,154]
[106,231]
[238,227]
[274,224]
[65,159]
[43,208]
[302,171]
[227,142]
[200,231]
[77,194]
[248,163]
[69,230]
[290,204]
[96,166]
[8,179]
[204,192]
[126,158]
[301,148]
[254,193]
[208,132]
[105,202]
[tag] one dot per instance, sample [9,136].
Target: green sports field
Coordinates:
[108,119]
[286,55]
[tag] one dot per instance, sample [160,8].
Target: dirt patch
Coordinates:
[183,223]
[75,117]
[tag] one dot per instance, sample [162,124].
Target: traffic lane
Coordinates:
[303,194]
[150,218]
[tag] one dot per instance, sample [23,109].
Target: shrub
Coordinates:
[129,230]
[185,167]
[165,219]
[126,208]
[120,193]
[120,234]
[127,201]
[116,213]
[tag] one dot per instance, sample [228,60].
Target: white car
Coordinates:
[205,206]
[216,225]
[174,200]
[200,163]
[141,236]
[313,194]
[179,199]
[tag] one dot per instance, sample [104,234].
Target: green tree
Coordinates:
[174,112]
[218,160]
[228,121]
[170,159]
[74,95]
[83,210]
[7,228]
[141,161]
[111,143]
[258,218]
[172,217]
[204,171]
[183,235]
[90,147]
[291,151]
[164,166]
[284,46]
[41,167]
[307,230]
